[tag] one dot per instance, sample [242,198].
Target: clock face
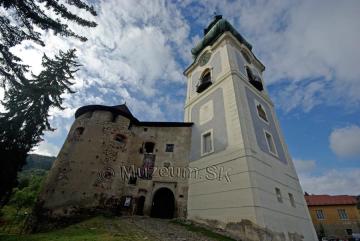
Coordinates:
[204,58]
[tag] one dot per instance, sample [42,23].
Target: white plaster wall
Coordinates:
[254,174]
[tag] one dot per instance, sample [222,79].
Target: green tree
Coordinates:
[29,97]
[25,196]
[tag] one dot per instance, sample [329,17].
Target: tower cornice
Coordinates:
[226,37]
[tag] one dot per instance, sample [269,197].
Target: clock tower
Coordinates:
[245,176]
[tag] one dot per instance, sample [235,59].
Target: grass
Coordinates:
[204,231]
[95,229]
[104,229]
[13,219]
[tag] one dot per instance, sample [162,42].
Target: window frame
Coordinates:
[257,112]
[292,200]
[172,145]
[278,195]
[345,217]
[211,132]
[205,71]
[250,69]
[317,212]
[273,142]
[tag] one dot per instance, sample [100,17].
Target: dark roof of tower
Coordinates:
[116,110]
[214,30]
[123,110]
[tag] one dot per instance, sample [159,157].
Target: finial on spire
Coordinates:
[217,17]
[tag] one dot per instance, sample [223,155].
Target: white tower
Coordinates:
[235,128]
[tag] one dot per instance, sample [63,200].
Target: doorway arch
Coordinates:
[163,204]
[140,206]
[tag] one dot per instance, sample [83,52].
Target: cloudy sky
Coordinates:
[310,49]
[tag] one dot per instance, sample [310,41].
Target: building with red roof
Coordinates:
[334,216]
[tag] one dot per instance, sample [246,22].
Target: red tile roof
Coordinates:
[314,200]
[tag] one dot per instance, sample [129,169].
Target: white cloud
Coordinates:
[315,55]
[345,142]
[334,181]
[139,48]
[304,166]
[328,181]
[47,149]
[2,92]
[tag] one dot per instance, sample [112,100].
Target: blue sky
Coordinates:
[310,49]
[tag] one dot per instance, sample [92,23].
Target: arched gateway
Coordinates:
[163,204]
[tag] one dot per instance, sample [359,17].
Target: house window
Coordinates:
[169,148]
[342,214]
[207,143]
[320,214]
[278,195]
[204,82]
[292,200]
[270,143]
[261,111]
[349,231]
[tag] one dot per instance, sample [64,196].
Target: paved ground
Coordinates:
[120,229]
[164,230]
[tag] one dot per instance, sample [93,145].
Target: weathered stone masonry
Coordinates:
[93,168]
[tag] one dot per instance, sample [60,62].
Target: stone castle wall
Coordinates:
[93,167]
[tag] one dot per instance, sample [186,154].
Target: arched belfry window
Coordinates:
[204,82]
[254,79]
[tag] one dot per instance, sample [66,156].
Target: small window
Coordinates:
[261,112]
[77,133]
[120,138]
[292,200]
[169,148]
[342,214]
[270,143]
[127,202]
[204,82]
[278,195]
[320,214]
[207,143]
[349,231]
[132,180]
[149,147]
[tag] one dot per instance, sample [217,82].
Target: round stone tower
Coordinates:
[87,171]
